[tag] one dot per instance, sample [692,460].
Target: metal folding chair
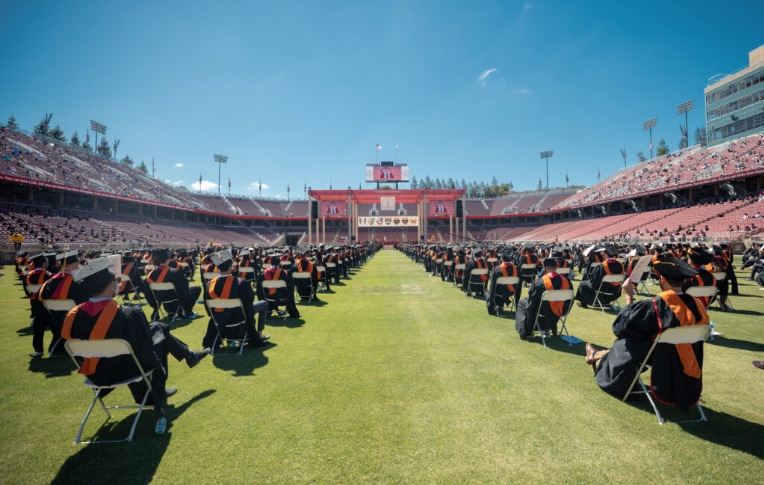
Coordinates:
[552,296]
[506,280]
[475,280]
[169,295]
[302,280]
[608,279]
[281,289]
[676,335]
[60,306]
[106,349]
[219,307]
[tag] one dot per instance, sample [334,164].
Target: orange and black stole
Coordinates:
[98,332]
[161,277]
[274,276]
[549,283]
[224,294]
[505,273]
[686,317]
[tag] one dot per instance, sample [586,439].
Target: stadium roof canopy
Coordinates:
[410,196]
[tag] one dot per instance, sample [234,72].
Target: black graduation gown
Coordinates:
[241,290]
[588,289]
[529,307]
[635,328]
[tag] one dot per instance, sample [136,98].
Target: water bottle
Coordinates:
[161,426]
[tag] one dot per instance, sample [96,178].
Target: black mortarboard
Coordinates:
[673,268]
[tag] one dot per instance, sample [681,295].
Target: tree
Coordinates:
[701,136]
[42,128]
[126,160]
[104,149]
[12,124]
[413,183]
[663,149]
[87,146]
[427,183]
[451,183]
[464,184]
[75,140]
[142,167]
[438,184]
[57,133]
[641,156]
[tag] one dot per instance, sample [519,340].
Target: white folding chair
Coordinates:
[169,295]
[458,270]
[608,279]
[447,267]
[281,289]
[57,306]
[563,271]
[303,278]
[689,334]
[555,296]
[475,280]
[125,288]
[207,276]
[322,281]
[218,307]
[704,292]
[285,264]
[507,280]
[105,349]
[721,276]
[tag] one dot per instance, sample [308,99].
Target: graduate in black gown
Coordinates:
[676,375]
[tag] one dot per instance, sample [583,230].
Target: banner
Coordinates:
[387,203]
[440,208]
[385,221]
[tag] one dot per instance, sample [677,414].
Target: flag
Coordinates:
[566,178]
[379,147]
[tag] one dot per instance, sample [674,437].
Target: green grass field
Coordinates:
[395,378]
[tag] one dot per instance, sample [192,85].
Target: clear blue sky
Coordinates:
[301,92]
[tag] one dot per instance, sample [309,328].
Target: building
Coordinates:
[735,102]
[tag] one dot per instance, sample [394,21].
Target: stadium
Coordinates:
[392,374]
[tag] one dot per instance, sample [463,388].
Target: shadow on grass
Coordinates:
[25,331]
[732,343]
[134,463]
[314,302]
[746,312]
[245,364]
[288,322]
[730,431]
[56,366]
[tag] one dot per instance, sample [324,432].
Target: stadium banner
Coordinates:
[333,208]
[387,173]
[384,221]
[440,208]
[387,203]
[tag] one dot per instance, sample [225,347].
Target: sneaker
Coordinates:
[759,364]
[170,391]
[35,355]
[196,357]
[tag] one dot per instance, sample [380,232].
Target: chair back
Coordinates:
[59,305]
[613,278]
[479,272]
[224,303]
[562,271]
[106,348]
[688,334]
[508,280]
[719,275]
[268,284]
[163,286]
[246,269]
[702,291]
[301,275]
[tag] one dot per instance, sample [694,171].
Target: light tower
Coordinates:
[685,108]
[649,125]
[220,159]
[547,155]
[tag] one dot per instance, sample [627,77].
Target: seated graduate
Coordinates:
[226,286]
[502,293]
[276,272]
[187,295]
[59,287]
[304,265]
[676,373]
[102,318]
[548,313]
[610,291]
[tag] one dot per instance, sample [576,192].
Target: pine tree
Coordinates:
[75,140]
[104,149]
[12,124]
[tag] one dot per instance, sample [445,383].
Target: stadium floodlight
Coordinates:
[98,128]
[649,125]
[685,108]
[220,159]
[547,155]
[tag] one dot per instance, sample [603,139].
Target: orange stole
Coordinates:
[98,332]
[686,317]
[556,306]
[225,294]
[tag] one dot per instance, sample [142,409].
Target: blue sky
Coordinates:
[300,92]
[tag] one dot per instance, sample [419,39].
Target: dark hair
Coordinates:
[225,265]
